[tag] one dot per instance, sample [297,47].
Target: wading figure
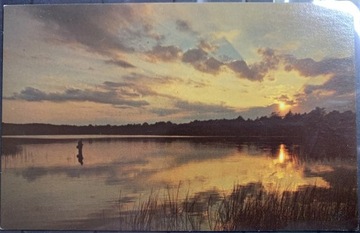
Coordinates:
[80,155]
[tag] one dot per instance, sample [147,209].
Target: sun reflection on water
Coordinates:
[282,156]
[284,172]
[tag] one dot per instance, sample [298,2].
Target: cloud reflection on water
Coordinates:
[135,167]
[136,162]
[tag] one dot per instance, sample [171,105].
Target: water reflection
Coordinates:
[282,154]
[80,155]
[137,166]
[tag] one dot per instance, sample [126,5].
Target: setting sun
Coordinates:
[282,106]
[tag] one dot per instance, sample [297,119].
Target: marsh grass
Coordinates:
[249,207]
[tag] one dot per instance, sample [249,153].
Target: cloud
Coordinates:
[184,26]
[92,26]
[242,69]
[105,97]
[204,59]
[164,53]
[338,92]
[329,101]
[200,60]
[196,110]
[211,65]
[129,89]
[258,70]
[204,62]
[144,85]
[194,56]
[308,67]
[206,46]
[338,85]
[285,99]
[107,30]
[120,63]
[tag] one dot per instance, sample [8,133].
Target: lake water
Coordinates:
[43,186]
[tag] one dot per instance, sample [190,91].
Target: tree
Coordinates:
[316,115]
[289,115]
[275,116]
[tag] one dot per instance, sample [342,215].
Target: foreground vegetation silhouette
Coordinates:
[247,207]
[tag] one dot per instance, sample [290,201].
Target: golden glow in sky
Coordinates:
[120,64]
[282,106]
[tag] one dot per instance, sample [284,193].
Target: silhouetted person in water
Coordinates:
[80,155]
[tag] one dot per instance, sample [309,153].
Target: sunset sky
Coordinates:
[120,64]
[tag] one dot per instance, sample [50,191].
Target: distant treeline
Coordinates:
[320,134]
[294,125]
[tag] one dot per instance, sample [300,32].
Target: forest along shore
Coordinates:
[315,130]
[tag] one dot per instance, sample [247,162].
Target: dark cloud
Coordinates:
[120,63]
[91,26]
[196,110]
[242,69]
[330,101]
[106,30]
[184,26]
[105,97]
[164,53]
[259,70]
[206,46]
[143,85]
[129,89]
[336,93]
[269,61]
[285,99]
[201,61]
[308,67]
[339,84]
[211,65]
[194,55]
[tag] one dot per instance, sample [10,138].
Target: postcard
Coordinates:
[179,117]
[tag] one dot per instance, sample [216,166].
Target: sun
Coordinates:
[282,106]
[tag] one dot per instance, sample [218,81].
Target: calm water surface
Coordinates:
[45,187]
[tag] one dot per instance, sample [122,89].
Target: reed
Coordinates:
[249,207]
